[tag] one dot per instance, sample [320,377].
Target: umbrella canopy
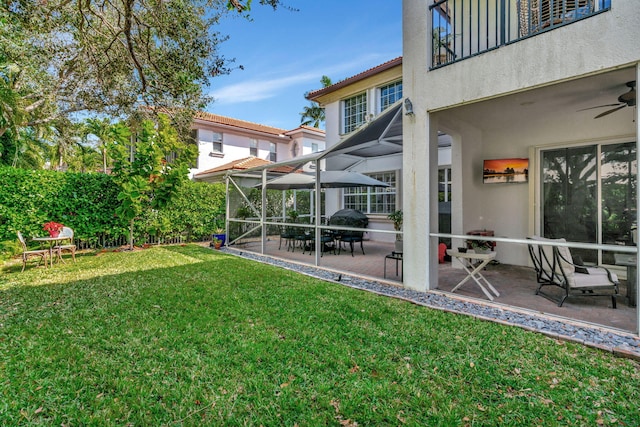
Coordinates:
[328,179]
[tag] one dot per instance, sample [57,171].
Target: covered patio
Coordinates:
[256,215]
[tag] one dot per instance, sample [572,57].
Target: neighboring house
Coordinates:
[521,79]
[223,140]
[355,102]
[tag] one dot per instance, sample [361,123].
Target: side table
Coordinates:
[629,261]
[397,256]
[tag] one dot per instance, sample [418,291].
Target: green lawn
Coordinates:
[183,335]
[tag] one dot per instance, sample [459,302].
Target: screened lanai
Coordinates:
[258,209]
[259,217]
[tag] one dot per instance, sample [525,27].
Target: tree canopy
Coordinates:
[313,114]
[60,57]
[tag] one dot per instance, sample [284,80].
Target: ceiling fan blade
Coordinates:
[610,111]
[628,98]
[599,106]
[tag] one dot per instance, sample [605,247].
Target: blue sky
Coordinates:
[285,53]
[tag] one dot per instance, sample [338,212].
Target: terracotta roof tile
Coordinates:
[243,164]
[350,80]
[223,120]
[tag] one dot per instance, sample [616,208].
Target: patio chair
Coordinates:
[302,236]
[66,233]
[352,237]
[555,266]
[287,234]
[27,253]
[327,243]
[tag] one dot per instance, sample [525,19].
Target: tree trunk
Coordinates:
[131,235]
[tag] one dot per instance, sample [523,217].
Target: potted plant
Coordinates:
[219,234]
[53,228]
[481,246]
[293,215]
[217,243]
[396,217]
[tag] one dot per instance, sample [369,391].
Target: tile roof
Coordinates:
[228,121]
[243,164]
[350,80]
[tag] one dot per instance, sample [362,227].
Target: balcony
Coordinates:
[466,28]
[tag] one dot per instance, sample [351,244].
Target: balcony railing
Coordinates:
[465,28]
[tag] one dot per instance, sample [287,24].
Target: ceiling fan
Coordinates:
[627,99]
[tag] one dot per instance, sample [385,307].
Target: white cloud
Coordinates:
[254,90]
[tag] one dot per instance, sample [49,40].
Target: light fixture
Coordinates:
[408,107]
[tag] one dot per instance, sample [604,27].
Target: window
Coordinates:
[253,147]
[390,94]
[588,196]
[314,147]
[373,200]
[273,152]
[217,142]
[444,185]
[354,113]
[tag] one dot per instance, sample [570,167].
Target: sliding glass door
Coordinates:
[588,195]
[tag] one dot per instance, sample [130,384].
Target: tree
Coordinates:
[100,129]
[149,170]
[58,58]
[313,114]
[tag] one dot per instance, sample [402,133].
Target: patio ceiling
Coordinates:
[563,99]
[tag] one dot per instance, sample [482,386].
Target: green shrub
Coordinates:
[87,203]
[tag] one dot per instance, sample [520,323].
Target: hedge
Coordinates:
[87,202]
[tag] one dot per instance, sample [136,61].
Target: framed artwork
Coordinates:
[499,171]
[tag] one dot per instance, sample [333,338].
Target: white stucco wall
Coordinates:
[592,45]
[601,43]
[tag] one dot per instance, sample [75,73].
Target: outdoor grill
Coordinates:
[350,218]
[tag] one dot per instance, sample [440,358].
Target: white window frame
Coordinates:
[253,147]
[370,205]
[273,152]
[393,94]
[217,142]
[354,112]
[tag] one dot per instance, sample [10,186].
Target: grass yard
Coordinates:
[187,336]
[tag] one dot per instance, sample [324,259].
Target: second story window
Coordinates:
[253,147]
[217,142]
[273,152]
[314,147]
[354,112]
[390,94]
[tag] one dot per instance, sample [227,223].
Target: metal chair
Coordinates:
[352,237]
[554,266]
[66,233]
[27,253]
[287,233]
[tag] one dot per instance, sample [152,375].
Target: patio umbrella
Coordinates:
[328,179]
[292,181]
[341,179]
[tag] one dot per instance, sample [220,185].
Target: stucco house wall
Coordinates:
[490,105]
[237,136]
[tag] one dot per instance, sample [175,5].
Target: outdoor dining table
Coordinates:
[473,270]
[51,241]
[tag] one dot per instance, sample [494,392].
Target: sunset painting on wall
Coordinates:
[505,170]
